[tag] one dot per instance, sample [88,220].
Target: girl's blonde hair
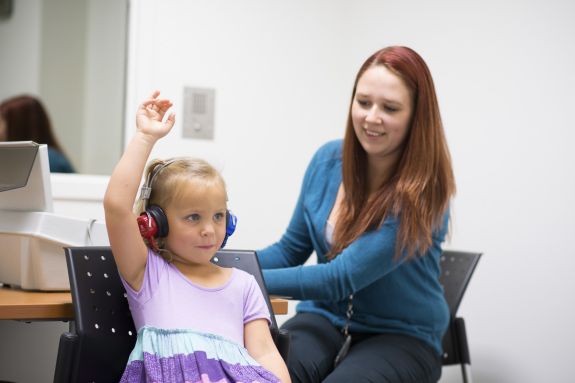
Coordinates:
[165,179]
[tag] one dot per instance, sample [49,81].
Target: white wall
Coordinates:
[282,84]
[504,73]
[105,78]
[20,42]
[63,70]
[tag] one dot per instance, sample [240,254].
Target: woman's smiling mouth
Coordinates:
[372,133]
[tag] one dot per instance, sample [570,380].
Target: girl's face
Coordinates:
[381,113]
[197,222]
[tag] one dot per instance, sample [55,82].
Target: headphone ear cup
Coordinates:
[147,226]
[231,221]
[148,230]
[159,218]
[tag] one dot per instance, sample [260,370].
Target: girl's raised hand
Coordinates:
[150,116]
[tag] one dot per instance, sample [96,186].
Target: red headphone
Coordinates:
[152,222]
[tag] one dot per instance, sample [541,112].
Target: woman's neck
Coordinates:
[379,170]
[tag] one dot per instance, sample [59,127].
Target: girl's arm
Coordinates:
[128,248]
[260,345]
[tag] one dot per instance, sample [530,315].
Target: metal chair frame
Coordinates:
[457,267]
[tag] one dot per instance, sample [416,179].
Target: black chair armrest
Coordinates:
[281,339]
[283,343]
[65,360]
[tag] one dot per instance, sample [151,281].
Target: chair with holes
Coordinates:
[456,270]
[102,335]
[97,347]
[247,260]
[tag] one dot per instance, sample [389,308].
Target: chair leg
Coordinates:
[466,372]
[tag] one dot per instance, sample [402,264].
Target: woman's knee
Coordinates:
[388,358]
[313,345]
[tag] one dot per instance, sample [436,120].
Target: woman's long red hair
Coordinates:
[419,190]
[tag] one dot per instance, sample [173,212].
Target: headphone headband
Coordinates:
[146,189]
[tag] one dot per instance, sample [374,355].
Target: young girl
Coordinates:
[196,321]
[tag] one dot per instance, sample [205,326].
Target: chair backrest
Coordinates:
[103,321]
[456,270]
[246,260]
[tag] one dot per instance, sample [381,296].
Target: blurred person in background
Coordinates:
[24,118]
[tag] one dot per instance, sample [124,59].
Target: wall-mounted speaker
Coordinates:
[6,7]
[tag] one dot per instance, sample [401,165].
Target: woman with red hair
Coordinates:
[374,207]
[24,118]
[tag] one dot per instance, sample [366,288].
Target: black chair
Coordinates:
[97,347]
[456,270]
[247,260]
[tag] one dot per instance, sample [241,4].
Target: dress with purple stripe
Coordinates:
[192,333]
[189,356]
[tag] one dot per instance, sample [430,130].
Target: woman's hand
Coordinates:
[150,117]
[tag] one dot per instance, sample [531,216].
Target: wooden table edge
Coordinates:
[34,305]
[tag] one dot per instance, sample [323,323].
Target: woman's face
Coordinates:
[381,113]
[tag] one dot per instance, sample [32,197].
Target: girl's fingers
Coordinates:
[171,119]
[157,106]
[155,101]
[153,98]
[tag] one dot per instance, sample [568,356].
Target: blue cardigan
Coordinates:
[389,296]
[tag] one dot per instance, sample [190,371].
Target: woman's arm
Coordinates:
[129,250]
[366,260]
[260,345]
[363,262]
